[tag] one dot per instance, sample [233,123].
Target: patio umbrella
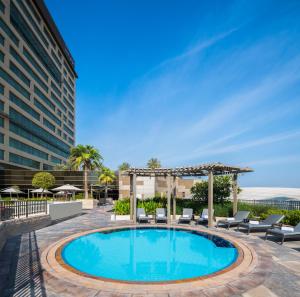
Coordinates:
[41,191]
[11,191]
[67,188]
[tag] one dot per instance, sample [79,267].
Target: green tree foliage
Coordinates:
[85,157]
[106,177]
[44,180]
[222,189]
[153,163]
[124,166]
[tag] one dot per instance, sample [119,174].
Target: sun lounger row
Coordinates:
[240,220]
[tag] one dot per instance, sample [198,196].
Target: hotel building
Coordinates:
[37,88]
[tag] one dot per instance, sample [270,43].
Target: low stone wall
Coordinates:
[18,226]
[58,211]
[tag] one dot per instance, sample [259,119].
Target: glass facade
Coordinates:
[17,159]
[27,148]
[37,88]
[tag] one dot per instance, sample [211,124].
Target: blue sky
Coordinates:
[189,82]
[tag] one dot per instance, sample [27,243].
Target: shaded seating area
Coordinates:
[160,216]
[263,225]
[203,218]
[141,216]
[238,218]
[187,216]
[285,233]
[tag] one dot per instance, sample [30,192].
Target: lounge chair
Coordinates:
[264,225]
[239,217]
[141,216]
[160,215]
[204,216]
[187,215]
[284,232]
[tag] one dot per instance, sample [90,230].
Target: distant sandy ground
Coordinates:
[249,193]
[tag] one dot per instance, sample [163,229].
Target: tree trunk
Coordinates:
[86,190]
[105,196]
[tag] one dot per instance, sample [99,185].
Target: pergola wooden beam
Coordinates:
[193,171]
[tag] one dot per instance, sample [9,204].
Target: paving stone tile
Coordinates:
[260,291]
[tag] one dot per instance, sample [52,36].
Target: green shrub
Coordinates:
[292,217]
[122,207]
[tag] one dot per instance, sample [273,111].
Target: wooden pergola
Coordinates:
[171,174]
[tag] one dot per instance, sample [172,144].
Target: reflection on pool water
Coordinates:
[149,254]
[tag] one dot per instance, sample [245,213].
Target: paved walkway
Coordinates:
[21,273]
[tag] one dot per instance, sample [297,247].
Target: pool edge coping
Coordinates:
[60,260]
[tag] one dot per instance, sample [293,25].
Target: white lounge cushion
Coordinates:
[254,222]
[291,229]
[205,217]
[142,215]
[160,215]
[185,216]
[230,219]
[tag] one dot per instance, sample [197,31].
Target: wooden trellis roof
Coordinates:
[198,170]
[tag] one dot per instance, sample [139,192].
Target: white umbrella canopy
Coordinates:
[67,188]
[41,191]
[12,191]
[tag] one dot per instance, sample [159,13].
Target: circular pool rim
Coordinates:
[59,257]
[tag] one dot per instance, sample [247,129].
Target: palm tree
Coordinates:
[106,177]
[153,163]
[85,157]
[124,166]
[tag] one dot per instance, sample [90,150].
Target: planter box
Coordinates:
[61,210]
[89,203]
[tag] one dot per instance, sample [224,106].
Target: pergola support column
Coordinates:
[134,197]
[169,198]
[175,180]
[210,198]
[131,196]
[234,193]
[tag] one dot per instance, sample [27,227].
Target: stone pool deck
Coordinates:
[22,274]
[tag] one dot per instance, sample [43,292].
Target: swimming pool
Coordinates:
[149,254]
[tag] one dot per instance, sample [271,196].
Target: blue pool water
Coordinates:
[149,254]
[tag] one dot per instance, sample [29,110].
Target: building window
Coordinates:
[13,98]
[36,130]
[55,160]
[18,130]
[1,89]
[47,167]
[1,155]
[55,89]
[2,40]
[57,101]
[2,122]
[2,56]
[24,30]
[44,98]
[19,74]
[35,64]
[9,33]
[14,143]
[23,161]
[32,22]
[2,7]
[1,138]
[14,83]
[27,68]
[1,105]
[48,125]
[46,112]
[55,58]
[69,131]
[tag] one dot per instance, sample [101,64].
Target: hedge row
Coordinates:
[292,217]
